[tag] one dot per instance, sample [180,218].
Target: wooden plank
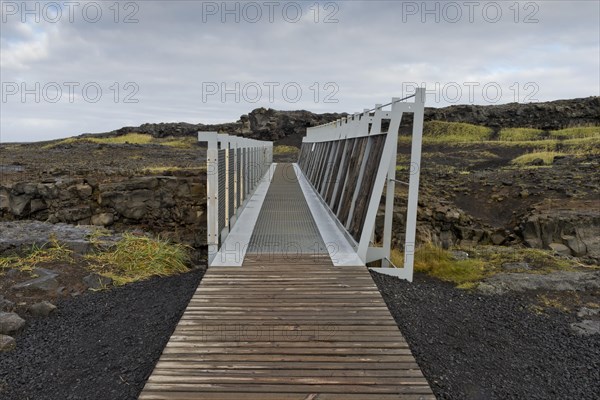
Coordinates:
[253,366]
[336,177]
[344,173]
[271,330]
[286,380]
[337,358]
[181,395]
[297,388]
[394,373]
[352,179]
[372,166]
[331,177]
[178,340]
[285,351]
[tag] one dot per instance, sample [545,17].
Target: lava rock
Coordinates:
[512,266]
[459,255]
[7,343]
[6,305]
[498,237]
[97,281]
[568,232]
[554,281]
[46,281]
[588,312]
[103,219]
[10,323]
[536,161]
[42,309]
[578,248]
[586,327]
[560,249]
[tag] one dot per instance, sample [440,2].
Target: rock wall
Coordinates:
[175,207]
[171,206]
[567,232]
[444,225]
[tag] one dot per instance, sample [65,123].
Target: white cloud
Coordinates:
[371,54]
[20,54]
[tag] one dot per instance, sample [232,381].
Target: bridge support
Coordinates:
[349,163]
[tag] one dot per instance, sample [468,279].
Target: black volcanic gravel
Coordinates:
[477,347]
[98,346]
[104,345]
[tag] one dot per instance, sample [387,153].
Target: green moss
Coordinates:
[186,142]
[546,156]
[439,263]
[483,261]
[539,260]
[163,169]
[285,150]
[576,132]
[520,134]
[441,132]
[180,143]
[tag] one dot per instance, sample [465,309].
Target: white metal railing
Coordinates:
[350,161]
[234,167]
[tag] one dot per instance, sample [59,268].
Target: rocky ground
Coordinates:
[100,345]
[156,188]
[512,346]
[526,332]
[472,195]
[100,162]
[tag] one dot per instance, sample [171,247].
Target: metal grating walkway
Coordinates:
[286,327]
[285,223]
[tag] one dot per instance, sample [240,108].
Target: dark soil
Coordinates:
[70,279]
[31,162]
[100,345]
[471,346]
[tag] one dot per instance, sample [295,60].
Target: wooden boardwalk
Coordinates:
[296,328]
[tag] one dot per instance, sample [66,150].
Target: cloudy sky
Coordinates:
[92,66]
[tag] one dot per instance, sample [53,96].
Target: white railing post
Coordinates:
[247,169]
[413,184]
[212,192]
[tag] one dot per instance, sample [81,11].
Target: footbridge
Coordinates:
[287,308]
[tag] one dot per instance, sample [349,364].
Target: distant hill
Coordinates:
[288,127]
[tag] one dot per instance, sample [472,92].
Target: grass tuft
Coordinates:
[540,260]
[53,251]
[136,258]
[520,134]
[131,259]
[440,131]
[164,169]
[186,142]
[577,132]
[483,262]
[439,263]
[131,138]
[285,150]
[546,156]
